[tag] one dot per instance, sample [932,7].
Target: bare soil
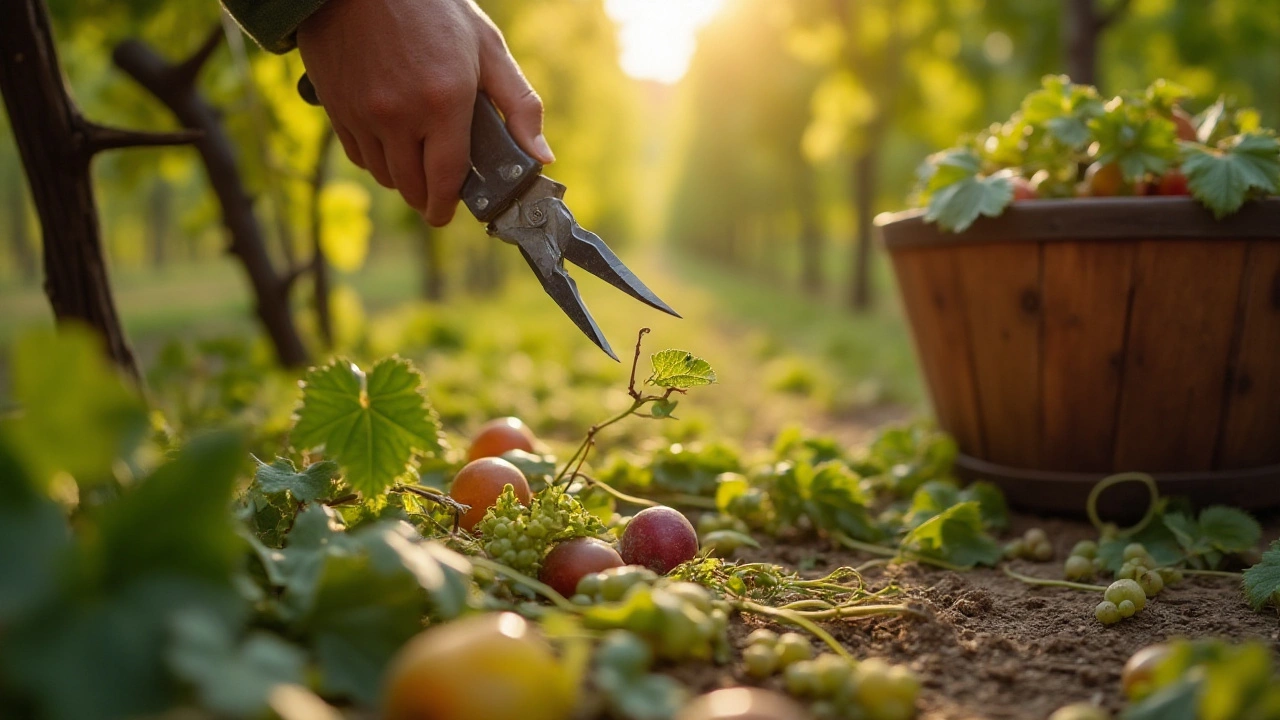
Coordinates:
[998,648]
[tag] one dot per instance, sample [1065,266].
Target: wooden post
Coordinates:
[57,144]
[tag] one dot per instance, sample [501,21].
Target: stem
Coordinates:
[798,620]
[895,554]
[693,501]
[1052,583]
[1210,573]
[541,588]
[1092,506]
[615,492]
[807,605]
[631,386]
[853,611]
[582,450]
[459,509]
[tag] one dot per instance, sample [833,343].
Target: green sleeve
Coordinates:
[272,23]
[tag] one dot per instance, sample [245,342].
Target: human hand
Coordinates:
[399,78]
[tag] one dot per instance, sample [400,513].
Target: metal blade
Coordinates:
[564,291]
[586,250]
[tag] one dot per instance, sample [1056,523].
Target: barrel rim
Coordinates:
[1100,218]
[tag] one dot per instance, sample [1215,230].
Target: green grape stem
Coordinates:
[1052,583]
[1206,573]
[1091,507]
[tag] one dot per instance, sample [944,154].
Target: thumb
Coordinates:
[519,103]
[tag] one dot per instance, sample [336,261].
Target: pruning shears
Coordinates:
[507,190]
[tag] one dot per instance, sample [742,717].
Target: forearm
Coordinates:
[272,23]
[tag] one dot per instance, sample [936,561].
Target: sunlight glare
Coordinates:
[657,37]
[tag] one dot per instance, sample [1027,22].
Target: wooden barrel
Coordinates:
[1070,339]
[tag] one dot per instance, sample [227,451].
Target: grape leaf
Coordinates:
[679,370]
[1157,537]
[370,424]
[1262,581]
[1172,702]
[1063,108]
[313,483]
[955,536]
[834,502]
[958,193]
[1223,177]
[1229,529]
[232,678]
[1133,138]
[77,415]
[936,496]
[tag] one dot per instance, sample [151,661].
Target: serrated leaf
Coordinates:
[1133,138]
[834,502]
[1063,108]
[313,483]
[76,414]
[680,370]
[955,536]
[662,408]
[957,204]
[1229,529]
[1262,581]
[230,677]
[371,425]
[1223,177]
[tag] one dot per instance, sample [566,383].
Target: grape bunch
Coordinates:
[768,653]
[842,689]
[679,620]
[1122,599]
[1083,562]
[1033,545]
[521,537]
[1140,567]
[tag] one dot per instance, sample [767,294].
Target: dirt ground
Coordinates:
[998,648]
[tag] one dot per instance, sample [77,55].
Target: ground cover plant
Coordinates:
[330,573]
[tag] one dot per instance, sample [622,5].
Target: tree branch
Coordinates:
[98,138]
[186,72]
[1104,19]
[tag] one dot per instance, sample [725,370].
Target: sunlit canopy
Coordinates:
[657,37]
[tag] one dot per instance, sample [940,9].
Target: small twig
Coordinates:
[184,74]
[342,500]
[1210,573]
[459,509]
[632,499]
[99,138]
[1052,583]
[631,386]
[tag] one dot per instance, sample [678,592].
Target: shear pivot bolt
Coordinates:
[482,202]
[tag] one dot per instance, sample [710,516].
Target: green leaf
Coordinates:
[1223,177]
[175,521]
[1172,702]
[77,414]
[1063,108]
[230,677]
[371,425]
[33,537]
[1130,136]
[835,503]
[1262,581]
[1229,529]
[955,536]
[280,477]
[680,370]
[959,194]
[1159,540]
[663,407]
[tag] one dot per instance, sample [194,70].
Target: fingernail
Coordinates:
[542,149]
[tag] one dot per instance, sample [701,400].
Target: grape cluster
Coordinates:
[521,537]
[839,688]
[1083,562]
[1140,567]
[613,584]
[1033,545]
[679,620]
[1122,599]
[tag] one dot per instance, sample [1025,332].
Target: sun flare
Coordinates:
[657,37]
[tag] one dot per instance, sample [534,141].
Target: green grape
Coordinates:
[625,652]
[1087,549]
[1036,536]
[1122,590]
[1135,551]
[1126,608]
[792,648]
[762,636]
[1151,583]
[832,673]
[1078,567]
[801,678]
[760,661]
[1107,613]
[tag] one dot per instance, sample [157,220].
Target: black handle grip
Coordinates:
[500,170]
